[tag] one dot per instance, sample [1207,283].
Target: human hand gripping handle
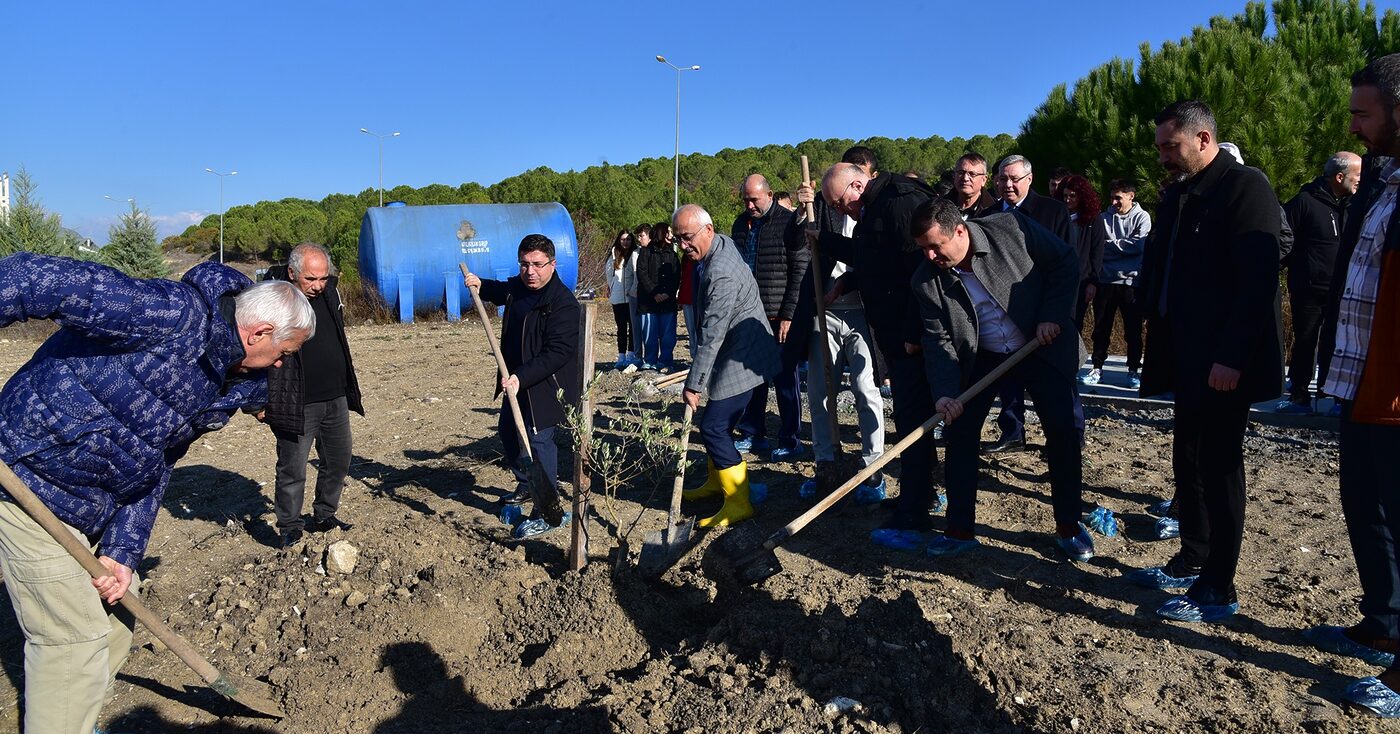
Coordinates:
[508,381]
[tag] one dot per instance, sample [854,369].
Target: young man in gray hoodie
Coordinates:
[1127,225]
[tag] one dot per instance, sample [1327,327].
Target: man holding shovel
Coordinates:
[987,287]
[735,352]
[539,344]
[94,423]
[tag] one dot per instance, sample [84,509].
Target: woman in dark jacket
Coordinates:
[1087,239]
[658,278]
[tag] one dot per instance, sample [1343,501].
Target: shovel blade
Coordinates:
[253,694]
[661,549]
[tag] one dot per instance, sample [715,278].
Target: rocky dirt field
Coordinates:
[445,624]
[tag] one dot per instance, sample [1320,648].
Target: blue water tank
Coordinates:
[412,253]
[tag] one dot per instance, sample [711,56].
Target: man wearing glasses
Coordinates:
[1013,182]
[539,344]
[970,187]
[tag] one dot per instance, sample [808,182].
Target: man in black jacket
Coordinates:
[539,344]
[758,233]
[883,254]
[1315,215]
[1013,182]
[1210,290]
[310,397]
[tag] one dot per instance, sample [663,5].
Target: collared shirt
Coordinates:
[1358,305]
[995,330]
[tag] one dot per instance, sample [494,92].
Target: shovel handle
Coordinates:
[671,379]
[36,509]
[802,520]
[674,515]
[807,179]
[500,366]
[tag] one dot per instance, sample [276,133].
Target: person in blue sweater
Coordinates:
[94,422]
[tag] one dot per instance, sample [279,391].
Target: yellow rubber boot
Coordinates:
[709,489]
[734,482]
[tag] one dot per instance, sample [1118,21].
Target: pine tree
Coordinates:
[132,247]
[30,228]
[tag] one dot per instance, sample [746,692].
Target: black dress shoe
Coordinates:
[1006,444]
[328,524]
[518,497]
[290,538]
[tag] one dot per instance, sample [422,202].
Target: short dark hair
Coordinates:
[860,156]
[974,158]
[942,212]
[1061,172]
[1124,185]
[782,195]
[1384,75]
[1190,115]
[536,243]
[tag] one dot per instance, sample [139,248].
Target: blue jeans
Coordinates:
[659,338]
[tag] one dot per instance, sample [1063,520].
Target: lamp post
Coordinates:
[221,207]
[381,158]
[678,69]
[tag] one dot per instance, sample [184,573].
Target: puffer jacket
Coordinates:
[95,421]
[778,269]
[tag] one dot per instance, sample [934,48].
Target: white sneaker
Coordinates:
[1092,378]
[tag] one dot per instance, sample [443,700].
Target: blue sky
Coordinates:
[136,99]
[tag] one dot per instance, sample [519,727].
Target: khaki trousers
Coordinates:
[73,642]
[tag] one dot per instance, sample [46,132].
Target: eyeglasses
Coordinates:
[1003,178]
[690,237]
[527,265]
[840,201]
[969,174]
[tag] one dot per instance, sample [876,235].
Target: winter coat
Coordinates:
[616,278]
[286,385]
[1214,254]
[658,274]
[1051,214]
[97,418]
[1088,243]
[1316,218]
[804,317]
[778,269]
[734,346]
[549,348]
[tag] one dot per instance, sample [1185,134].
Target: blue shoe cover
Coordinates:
[1330,638]
[1079,547]
[946,546]
[900,540]
[1160,509]
[940,503]
[1374,695]
[511,514]
[808,490]
[758,493]
[1157,578]
[868,495]
[538,526]
[1168,528]
[1185,609]
[1102,521]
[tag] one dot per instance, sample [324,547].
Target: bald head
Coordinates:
[1343,173]
[842,186]
[757,194]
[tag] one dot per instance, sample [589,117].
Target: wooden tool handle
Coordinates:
[676,488]
[807,179]
[500,365]
[41,514]
[891,453]
[671,379]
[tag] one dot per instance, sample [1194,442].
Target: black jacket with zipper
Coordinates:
[286,385]
[1316,218]
[548,339]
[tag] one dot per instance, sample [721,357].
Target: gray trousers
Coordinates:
[848,342]
[328,426]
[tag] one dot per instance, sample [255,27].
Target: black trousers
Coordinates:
[542,446]
[1307,306]
[622,316]
[1208,459]
[1370,489]
[1012,419]
[786,386]
[1053,393]
[327,426]
[1116,297]
[913,405]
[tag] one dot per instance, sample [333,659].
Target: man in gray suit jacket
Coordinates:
[735,352]
[987,286]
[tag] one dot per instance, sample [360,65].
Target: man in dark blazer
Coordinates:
[1013,184]
[986,287]
[1215,339]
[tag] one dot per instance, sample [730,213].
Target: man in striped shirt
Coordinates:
[1365,376]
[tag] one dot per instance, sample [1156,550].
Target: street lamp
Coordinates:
[221,207]
[678,69]
[381,158]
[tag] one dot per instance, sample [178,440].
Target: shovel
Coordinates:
[661,548]
[760,563]
[253,694]
[542,491]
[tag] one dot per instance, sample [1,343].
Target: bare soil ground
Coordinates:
[447,625]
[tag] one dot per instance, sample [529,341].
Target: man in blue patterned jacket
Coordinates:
[95,422]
